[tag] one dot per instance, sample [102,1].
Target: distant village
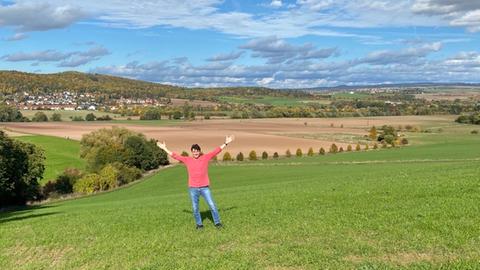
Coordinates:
[70,101]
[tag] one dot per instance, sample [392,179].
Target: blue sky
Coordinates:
[274,43]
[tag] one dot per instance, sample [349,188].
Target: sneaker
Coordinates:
[219,225]
[199,227]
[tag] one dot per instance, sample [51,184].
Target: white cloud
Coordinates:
[36,16]
[226,56]
[65,59]
[16,37]
[456,13]
[277,50]
[276,3]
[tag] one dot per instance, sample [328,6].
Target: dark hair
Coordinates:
[196,147]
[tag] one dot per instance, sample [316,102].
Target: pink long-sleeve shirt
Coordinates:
[197,168]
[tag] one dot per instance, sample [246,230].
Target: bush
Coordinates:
[310,152]
[404,141]
[389,139]
[104,118]
[184,154]
[357,147]
[240,156]
[63,184]
[108,177]
[105,146]
[275,155]
[40,117]
[473,119]
[264,155]
[90,183]
[384,144]
[299,153]
[56,117]
[375,146]
[10,114]
[288,153]
[252,155]
[21,166]
[90,117]
[321,151]
[333,148]
[227,157]
[349,148]
[340,150]
[78,118]
[474,132]
[177,115]
[151,114]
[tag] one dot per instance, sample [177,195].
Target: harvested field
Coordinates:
[271,135]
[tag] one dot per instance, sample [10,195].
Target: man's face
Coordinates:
[195,153]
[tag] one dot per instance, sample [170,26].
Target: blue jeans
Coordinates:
[195,194]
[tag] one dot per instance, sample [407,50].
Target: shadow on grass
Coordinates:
[23,212]
[207,214]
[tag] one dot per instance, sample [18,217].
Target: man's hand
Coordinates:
[162,145]
[229,139]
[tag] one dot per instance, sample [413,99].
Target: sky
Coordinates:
[270,43]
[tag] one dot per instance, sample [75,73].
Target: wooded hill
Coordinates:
[12,82]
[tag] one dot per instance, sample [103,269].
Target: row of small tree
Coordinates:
[227,156]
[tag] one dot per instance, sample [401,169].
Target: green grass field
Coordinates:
[413,208]
[67,114]
[60,154]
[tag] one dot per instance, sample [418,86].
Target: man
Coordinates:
[198,181]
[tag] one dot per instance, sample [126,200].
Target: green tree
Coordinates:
[321,151]
[227,157]
[151,114]
[357,147]
[40,117]
[264,155]
[56,117]
[184,154]
[288,153]
[373,133]
[90,117]
[310,152]
[349,148]
[252,155]
[177,115]
[89,183]
[275,155]
[105,146]
[78,118]
[333,148]
[21,166]
[10,114]
[240,156]
[299,152]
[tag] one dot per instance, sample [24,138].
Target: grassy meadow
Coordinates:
[60,154]
[66,115]
[415,207]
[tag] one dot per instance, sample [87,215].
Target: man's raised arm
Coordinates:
[163,146]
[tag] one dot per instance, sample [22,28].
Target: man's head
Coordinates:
[196,151]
